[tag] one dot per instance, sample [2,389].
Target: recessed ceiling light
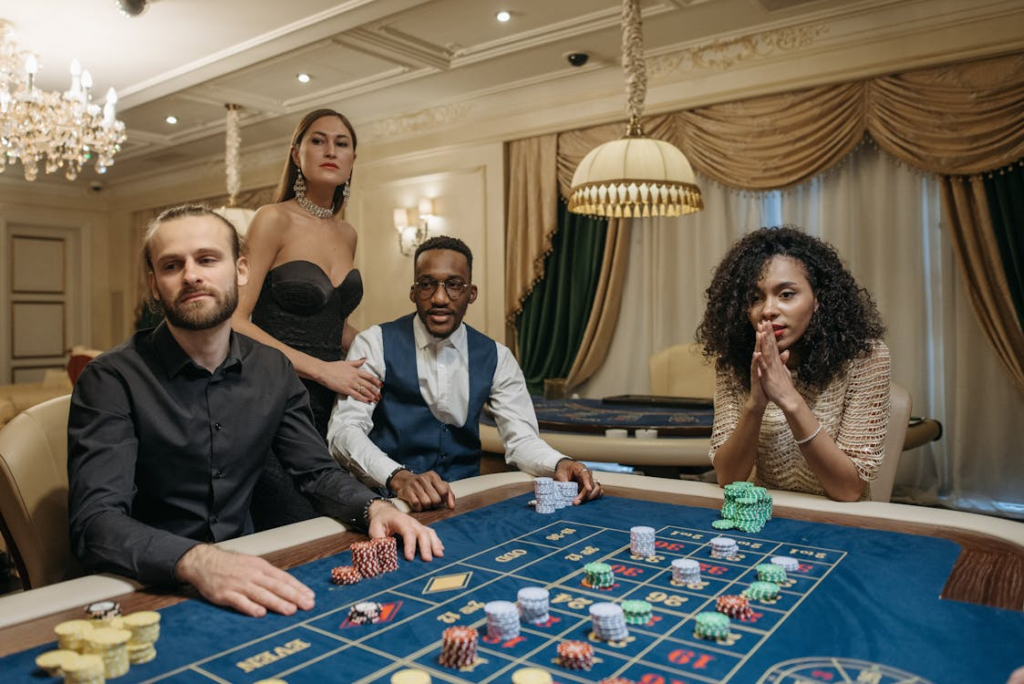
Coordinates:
[171,119]
[503,16]
[304,78]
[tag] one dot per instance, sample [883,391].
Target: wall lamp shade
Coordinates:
[413,225]
[635,177]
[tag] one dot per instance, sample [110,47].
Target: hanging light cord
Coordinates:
[634,65]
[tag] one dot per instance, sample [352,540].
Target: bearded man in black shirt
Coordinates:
[168,433]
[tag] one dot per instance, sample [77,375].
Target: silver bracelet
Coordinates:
[805,440]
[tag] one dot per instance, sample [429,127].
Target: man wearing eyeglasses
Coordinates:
[437,374]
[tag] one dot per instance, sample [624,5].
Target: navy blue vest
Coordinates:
[403,426]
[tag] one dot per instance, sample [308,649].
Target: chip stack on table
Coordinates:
[787,563]
[345,574]
[458,646]
[724,547]
[746,508]
[71,634]
[686,571]
[104,611]
[410,677]
[366,559]
[111,645]
[86,669]
[502,620]
[567,492]
[365,613]
[386,549]
[531,675]
[53,662]
[576,655]
[770,572]
[608,621]
[762,591]
[711,625]
[637,612]
[734,606]
[145,629]
[599,575]
[641,541]
[547,494]
[533,605]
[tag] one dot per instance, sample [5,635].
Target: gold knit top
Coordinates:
[853,409]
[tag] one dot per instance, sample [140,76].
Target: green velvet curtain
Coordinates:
[555,314]
[1005,192]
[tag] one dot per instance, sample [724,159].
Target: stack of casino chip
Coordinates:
[770,572]
[787,563]
[104,611]
[567,492]
[71,634]
[533,605]
[502,620]
[746,508]
[86,669]
[599,575]
[111,645]
[531,675]
[145,629]
[637,612]
[547,495]
[734,606]
[711,625]
[458,646]
[641,541]
[762,591]
[345,574]
[576,655]
[365,613]
[365,560]
[386,549]
[685,571]
[724,547]
[608,621]
[53,662]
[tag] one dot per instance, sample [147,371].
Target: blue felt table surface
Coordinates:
[864,604]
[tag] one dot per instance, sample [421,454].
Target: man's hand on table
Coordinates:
[569,470]
[422,492]
[386,520]
[248,584]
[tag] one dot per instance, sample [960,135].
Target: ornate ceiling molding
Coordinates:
[725,54]
[419,121]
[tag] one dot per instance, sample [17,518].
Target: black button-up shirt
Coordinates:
[163,454]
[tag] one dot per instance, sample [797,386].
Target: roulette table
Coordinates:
[883,593]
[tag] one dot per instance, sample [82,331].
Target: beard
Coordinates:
[193,316]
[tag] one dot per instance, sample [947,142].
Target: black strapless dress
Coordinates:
[299,306]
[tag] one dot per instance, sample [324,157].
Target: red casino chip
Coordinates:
[345,574]
[737,607]
[576,655]
[458,646]
[386,553]
[364,558]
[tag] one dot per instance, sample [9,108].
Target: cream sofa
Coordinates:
[16,398]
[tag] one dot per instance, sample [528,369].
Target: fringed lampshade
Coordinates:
[636,176]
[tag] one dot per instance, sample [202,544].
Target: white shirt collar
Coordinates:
[424,339]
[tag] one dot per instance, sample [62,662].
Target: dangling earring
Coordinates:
[346,191]
[299,187]
[307,204]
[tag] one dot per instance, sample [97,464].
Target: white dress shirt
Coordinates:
[443,369]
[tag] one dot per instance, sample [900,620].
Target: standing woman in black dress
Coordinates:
[302,288]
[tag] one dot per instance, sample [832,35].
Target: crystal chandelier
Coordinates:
[61,130]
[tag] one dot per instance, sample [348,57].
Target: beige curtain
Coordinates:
[976,250]
[951,120]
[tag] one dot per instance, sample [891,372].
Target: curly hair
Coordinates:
[445,242]
[842,329]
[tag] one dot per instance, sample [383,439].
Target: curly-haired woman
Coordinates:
[802,373]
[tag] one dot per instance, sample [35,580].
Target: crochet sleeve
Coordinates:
[728,408]
[866,412]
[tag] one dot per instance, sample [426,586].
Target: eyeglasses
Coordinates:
[426,287]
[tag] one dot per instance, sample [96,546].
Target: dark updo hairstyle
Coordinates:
[285,190]
[842,329]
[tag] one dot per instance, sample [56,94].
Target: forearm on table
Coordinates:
[114,542]
[833,467]
[352,448]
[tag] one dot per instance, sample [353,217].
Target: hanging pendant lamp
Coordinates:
[240,217]
[635,176]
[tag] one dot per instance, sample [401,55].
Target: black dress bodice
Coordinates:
[299,306]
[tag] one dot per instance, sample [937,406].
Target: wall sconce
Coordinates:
[413,225]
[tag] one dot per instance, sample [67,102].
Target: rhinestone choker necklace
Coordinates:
[314,209]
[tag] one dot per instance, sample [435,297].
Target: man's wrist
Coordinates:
[562,460]
[369,505]
[396,471]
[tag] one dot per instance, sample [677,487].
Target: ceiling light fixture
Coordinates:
[171,119]
[304,78]
[131,8]
[503,16]
[62,130]
[636,175]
